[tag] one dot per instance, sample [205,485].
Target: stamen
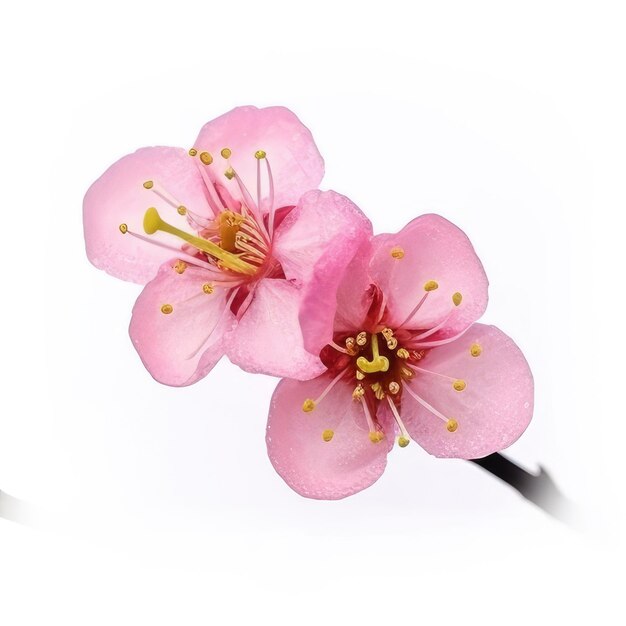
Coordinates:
[158,190]
[226,152]
[418,306]
[457,298]
[338,347]
[179,267]
[376,436]
[208,288]
[431,285]
[475,350]
[192,152]
[148,184]
[271,190]
[378,390]
[451,424]
[328,434]
[152,223]
[397,252]
[358,392]
[377,364]
[361,338]
[206,158]
[440,342]
[359,375]
[404,439]
[351,346]
[458,384]
[308,405]
[166,309]
[393,387]
[403,353]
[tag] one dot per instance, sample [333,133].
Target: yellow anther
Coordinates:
[208,288]
[351,346]
[230,173]
[260,154]
[403,353]
[393,387]
[361,338]
[308,405]
[182,210]
[166,309]
[379,392]
[328,434]
[403,442]
[431,285]
[407,373]
[123,228]
[360,375]
[457,298]
[475,350]
[192,152]
[459,385]
[180,267]
[358,392]
[452,425]
[206,158]
[376,436]
[148,184]
[226,152]
[392,343]
[387,333]
[397,252]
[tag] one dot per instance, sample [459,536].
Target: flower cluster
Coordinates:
[375,336]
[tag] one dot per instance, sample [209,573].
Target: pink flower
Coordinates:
[404,356]
[238,228]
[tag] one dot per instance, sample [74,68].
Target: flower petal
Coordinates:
[492,411]
[314,468]
[119,197]
[430,248]
[324,226]
[181,346]
[268,338]
[296,164]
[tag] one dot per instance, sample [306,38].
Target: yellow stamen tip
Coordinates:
[403,353]
[392,343]
[166,309]
[123,228]
[431,285]
[230,173]
[376,436]
[148,184]
[192,152]
[459,385]
[475,350]
[308,405]
[359,375]
[457,298]
[182,210]
[452,425]
[226,152]
[403,442]
[328,434]
[152,221]
[361,338]
[208,288]
[358,392]
[180,267]
[260,154]
[393,387]
[397,252]
[206,158]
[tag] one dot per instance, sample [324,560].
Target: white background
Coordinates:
[159,506]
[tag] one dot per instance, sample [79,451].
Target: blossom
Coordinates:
[223,236]
[405,361]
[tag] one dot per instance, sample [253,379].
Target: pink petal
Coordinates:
[494,409]
[324,226]
[118,196]
[311,466]
[181,347]
[296,164]
[434,249]
[268,338]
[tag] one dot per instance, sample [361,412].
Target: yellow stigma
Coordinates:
[397,252]
[260,154]
[180,267]
[206,158]
[192,152]
[148,184]
[166,309]
[328,434]
[152,223]
[377,364]
[459,385]
[457,298]
[123,228]
[452,425]
[230,173]
[403,353]
[431,285]
[393,387]
[226,152]
[475,350]
[376,436]
[182,210]
[308,405]
[403,442]
[208,288]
